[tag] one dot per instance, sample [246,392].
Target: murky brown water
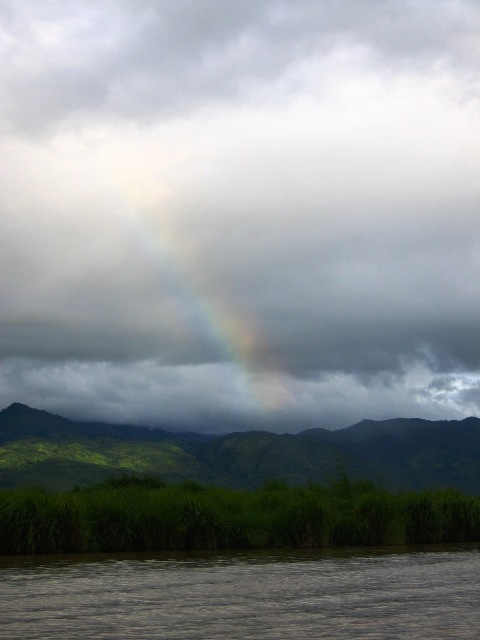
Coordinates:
[383,594]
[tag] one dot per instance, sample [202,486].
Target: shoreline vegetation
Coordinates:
[143,514]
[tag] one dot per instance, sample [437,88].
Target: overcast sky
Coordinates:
[235,214]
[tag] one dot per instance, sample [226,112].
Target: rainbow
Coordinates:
[235,340]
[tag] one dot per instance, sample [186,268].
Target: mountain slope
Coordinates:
[411,453]
[252,458]
[38,448]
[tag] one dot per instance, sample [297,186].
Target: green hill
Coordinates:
[411,453]
[42,449]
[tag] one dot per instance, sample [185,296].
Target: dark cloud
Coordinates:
[219,399]
[238,215]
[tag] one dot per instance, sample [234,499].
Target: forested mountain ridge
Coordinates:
[39,448]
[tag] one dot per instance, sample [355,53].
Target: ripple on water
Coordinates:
[321,594]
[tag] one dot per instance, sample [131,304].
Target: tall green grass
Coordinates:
[33,521]
[142,514]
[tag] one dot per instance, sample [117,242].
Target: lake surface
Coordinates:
[379,593]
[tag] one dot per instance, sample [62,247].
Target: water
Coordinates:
[379,593]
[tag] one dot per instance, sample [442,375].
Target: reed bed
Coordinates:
[143,514]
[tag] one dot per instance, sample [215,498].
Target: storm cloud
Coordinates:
[225,216]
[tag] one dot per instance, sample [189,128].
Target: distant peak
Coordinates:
[18,406]
[19,409]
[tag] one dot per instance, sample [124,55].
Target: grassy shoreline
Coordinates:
[141,514]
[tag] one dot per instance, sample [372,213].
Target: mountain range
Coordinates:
[38,448]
